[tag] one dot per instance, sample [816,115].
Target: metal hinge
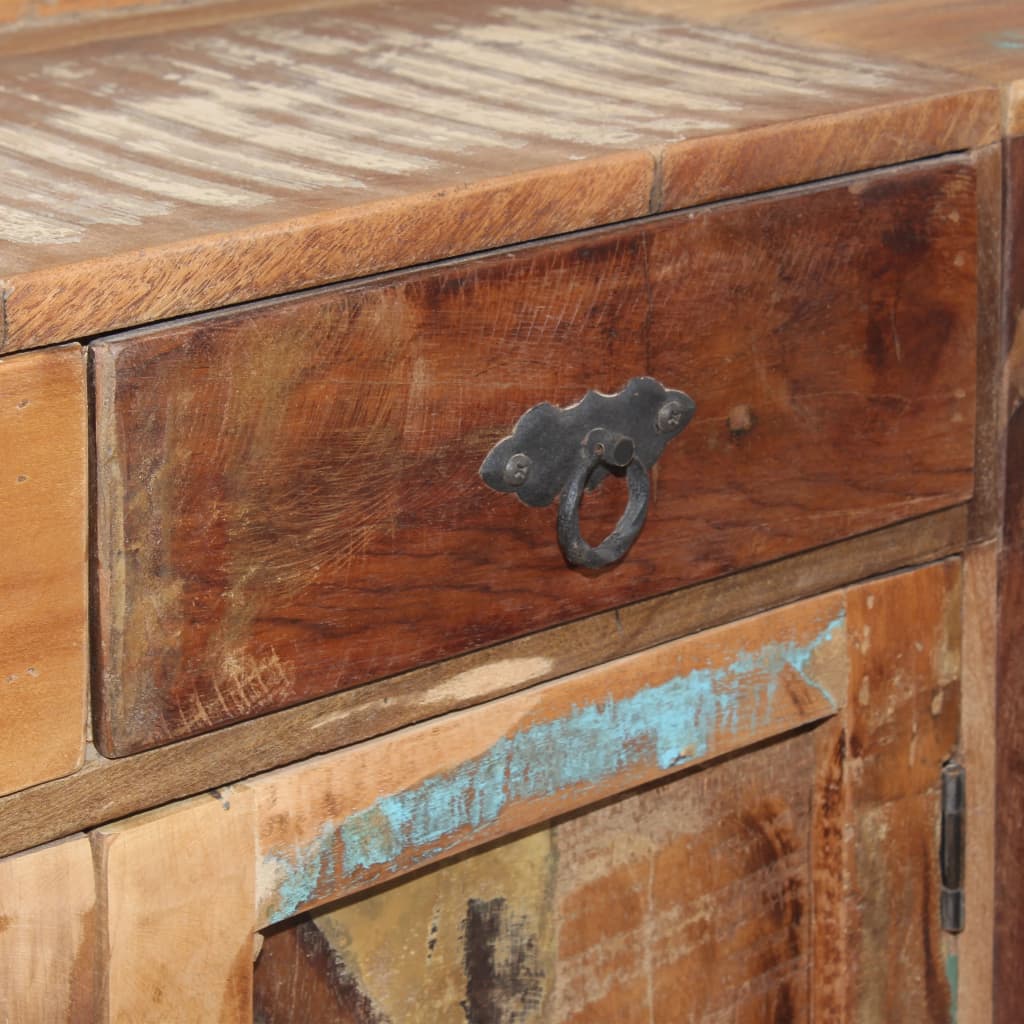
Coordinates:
[951,848]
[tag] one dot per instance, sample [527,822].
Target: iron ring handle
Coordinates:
[576,550]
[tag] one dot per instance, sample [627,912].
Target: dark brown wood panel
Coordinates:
[288,499]
[1009,821]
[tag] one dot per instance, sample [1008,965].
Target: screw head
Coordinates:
[670,416]
[517,469]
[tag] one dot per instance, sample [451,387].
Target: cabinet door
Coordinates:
[793,875]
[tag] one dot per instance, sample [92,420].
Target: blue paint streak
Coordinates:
[672,723]
[953,977]
[1009,41]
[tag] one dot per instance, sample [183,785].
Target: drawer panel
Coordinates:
[288,496]
[43,577]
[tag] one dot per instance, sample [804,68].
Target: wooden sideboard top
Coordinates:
[144,176]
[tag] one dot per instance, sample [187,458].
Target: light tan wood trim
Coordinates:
[176,922]
[43,578]
[47,947]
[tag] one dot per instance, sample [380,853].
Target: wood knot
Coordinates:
[741,420]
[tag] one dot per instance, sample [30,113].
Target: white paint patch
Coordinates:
[488,680]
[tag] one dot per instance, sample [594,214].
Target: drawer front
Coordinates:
[43,577]
[289,499]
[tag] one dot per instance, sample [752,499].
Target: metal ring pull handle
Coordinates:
[559,453]
[602,447]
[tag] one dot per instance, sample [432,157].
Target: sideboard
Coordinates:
[509,512]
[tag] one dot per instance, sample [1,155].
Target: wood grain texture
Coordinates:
[979,38]
[901,723]
[795,881]
[176,913]
[978,733]
[347,821]
[691,900]
[466,125]
[47,947]
[43,579]
[989,455]
[1009,841]
[472,940]
[105,790]
[269,514]
[684,902]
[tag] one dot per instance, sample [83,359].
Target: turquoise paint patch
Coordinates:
[953,977]
[1009,41]
[670,723]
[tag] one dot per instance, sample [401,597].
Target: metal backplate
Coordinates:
[540,456]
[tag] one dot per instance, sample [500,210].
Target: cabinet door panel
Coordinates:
[795,880]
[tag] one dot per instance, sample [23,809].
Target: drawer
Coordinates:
[43,575]
[289,498]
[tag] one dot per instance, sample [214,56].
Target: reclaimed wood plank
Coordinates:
[104,790]
[264,508]
[472,939]
[347,821]
[466,125]
[981,39]
[682,902]
[1009,841]
[176,913]
[902,722]
[47,926]
[43,578]
[979,731]
[690,901]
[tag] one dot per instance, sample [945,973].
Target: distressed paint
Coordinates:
[663,726]
[477,932]
[952,963]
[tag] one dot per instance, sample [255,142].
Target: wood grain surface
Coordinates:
[175,890]
[1009,829]
[349,820]
[979,732]
[104,790]
[47,935]
[793,882]
[689,901]
[983,39]
[43,578]
[288,496]
[149,176]
[902,722]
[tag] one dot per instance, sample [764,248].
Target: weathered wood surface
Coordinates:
[273,481]
[105,790]
[47,935]
[979,731]
[901,723]
[472,940]
[792,882]
[347,821]
[43,578]
[1009,840]
[987,502]
[315,146]
[176,914]
[983,39]
[689,901]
